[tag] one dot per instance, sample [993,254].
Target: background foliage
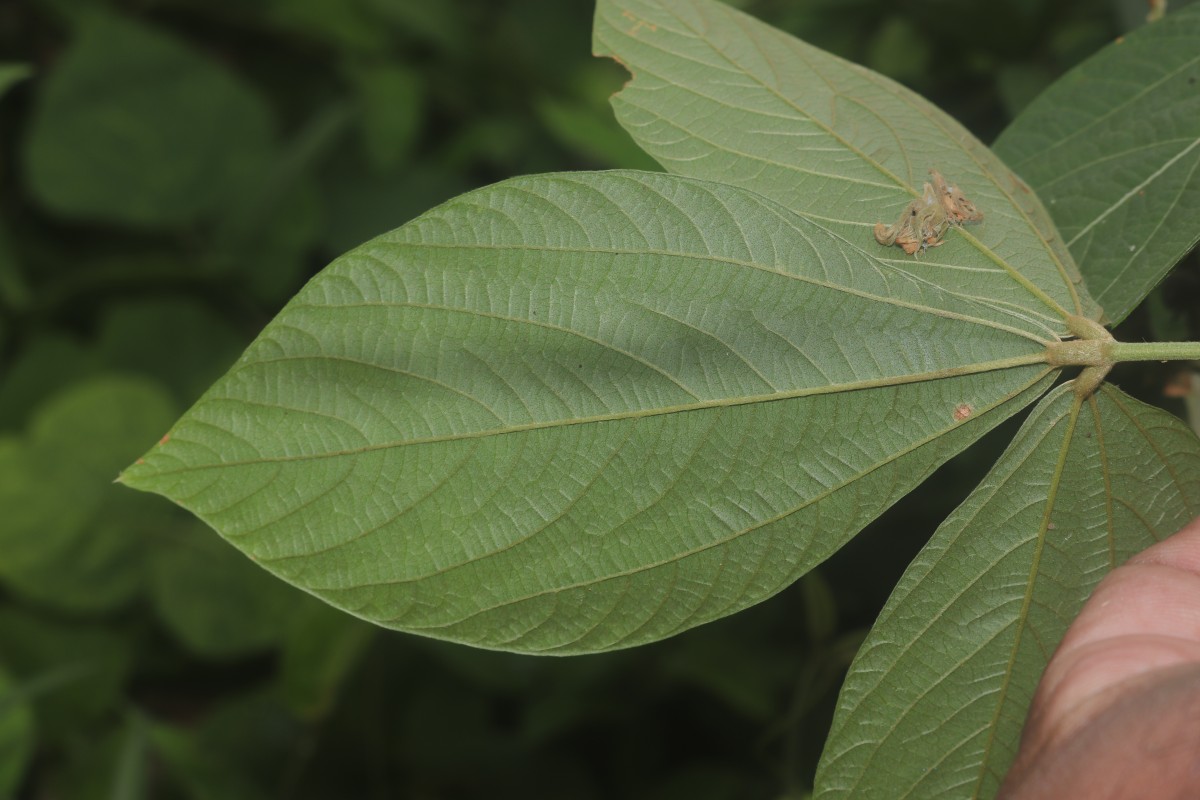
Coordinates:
[174,170]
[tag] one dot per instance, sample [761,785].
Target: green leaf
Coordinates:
[577,412]
[216,603]
[718,95]
[132,763]
[12,74]
[70,538]
[16,734]
[439,24]
[347,26]
[273,228]
[202,774]
[44,366]
[322,646]
[182,343]
[14,288]
[74,673]
[1113,150]
[936,698]
[133,127]
[391,100]
[111,763]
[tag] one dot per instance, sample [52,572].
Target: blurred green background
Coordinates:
[172,172]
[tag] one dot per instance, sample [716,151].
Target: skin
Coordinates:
[1117,713]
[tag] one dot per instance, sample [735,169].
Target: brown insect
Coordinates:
[957,206]
[925,220]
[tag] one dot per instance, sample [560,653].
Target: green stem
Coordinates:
[1096,352]
[1153,351]
[1106,352]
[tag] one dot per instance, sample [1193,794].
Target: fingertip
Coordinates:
[1180,551]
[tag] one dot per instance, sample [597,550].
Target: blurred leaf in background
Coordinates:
[133,127]
[16,733]
[69,541]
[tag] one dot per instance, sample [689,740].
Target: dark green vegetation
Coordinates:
[176,171]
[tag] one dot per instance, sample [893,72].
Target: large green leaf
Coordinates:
[936,698]
[719,95]
[577,412]
[1113,149]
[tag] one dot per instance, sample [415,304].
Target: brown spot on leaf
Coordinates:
[638,23]
[963,411]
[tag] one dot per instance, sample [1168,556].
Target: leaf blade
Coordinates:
[1113,148]
[960,647]
[718,95]
[543,398]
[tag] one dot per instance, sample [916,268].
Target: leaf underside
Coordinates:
[576,412]
[1113,149]
[936,698]
[718,95]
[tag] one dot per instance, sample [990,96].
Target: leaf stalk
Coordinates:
[1096,351]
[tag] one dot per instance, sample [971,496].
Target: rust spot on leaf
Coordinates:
[638,23]
[963,411]
[166,437]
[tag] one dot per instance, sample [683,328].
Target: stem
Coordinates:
[1100,352]
[1096,351]
[1153,351]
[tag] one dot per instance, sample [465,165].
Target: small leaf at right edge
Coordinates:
[1113,150]
[937,696]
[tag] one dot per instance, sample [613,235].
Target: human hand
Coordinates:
[1117,713]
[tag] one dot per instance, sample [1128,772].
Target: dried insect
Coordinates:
[921,225]
[957,206]
[904,233]
[931,221]
[925,220]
